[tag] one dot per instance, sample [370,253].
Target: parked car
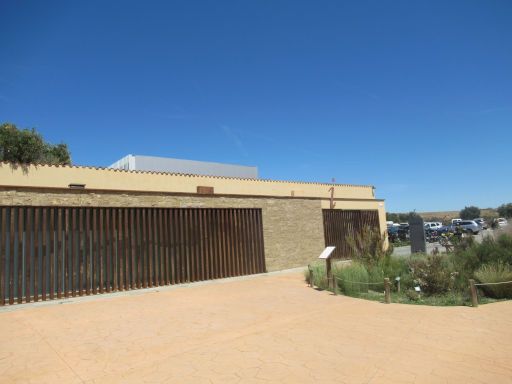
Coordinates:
[502,222]
[397,233]
[469,226]
[481,222]
[432,225]
[456,221]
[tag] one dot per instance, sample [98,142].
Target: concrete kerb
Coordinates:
[143,291]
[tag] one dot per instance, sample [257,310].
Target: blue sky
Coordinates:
[414,97]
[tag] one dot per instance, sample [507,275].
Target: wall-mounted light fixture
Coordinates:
[76,186]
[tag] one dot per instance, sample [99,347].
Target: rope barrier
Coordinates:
[357,282]
[498,283]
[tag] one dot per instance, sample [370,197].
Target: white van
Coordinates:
[455,221]
[433,225]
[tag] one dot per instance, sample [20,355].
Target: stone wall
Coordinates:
[292,227]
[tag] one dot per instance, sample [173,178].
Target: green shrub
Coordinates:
[319,275]
[494,273]
[432,274]
[469,255]
[349,277]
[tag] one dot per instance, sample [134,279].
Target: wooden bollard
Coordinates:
[387,292]
[334,286]
[474,297]
[310,279]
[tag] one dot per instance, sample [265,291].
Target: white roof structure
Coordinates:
[165,164]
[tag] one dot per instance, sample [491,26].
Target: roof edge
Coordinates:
[16,165]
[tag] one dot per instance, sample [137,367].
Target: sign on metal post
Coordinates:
[417,235]
[326,255]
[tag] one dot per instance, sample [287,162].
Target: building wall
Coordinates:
[292,228]
[44,176]
[292,211]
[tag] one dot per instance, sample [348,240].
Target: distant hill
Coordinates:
[449,215]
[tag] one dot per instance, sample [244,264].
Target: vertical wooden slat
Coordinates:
[36,236]
[20,244]
[227,243]
[81,251]
[240,243]
[128,225]
[236,256]
[140,247]
[148,248]
[101,249]
[127,249]
[50,252]
[115,249]
[191,245]
[182,247]
[201,237]
[156,251]
[167,266]
[95,251]
[28,245]
[216,243]
[144,249]
[133,234]
[88,251]
[45,254]
[120,250]
[72,257]
[108,249]
[173,242]
[3,253]
[12,245]
[205,247]
[161,246]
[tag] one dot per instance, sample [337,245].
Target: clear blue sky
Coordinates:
[414,97]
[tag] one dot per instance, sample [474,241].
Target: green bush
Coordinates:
[469,255]
[319,275]
[432,274]
[348,278]
[495,273]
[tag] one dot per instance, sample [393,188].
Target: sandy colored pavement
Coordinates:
[265,329]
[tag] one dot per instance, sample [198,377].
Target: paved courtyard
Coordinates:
[263,329]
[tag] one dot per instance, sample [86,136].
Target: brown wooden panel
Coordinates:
[71,250]
[342,224]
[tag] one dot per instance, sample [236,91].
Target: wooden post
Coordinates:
[334,286]
[474,297]
[398,286]
[387,293]
[310,276]
[328,270]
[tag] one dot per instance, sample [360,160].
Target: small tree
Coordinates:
[505,210]
[25,146]
[469,213]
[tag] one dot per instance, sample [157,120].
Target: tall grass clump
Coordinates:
[495,273]
[367,246]
[319,275]
[350,277]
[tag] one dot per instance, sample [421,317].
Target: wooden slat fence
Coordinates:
[342,224]
[53,252]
